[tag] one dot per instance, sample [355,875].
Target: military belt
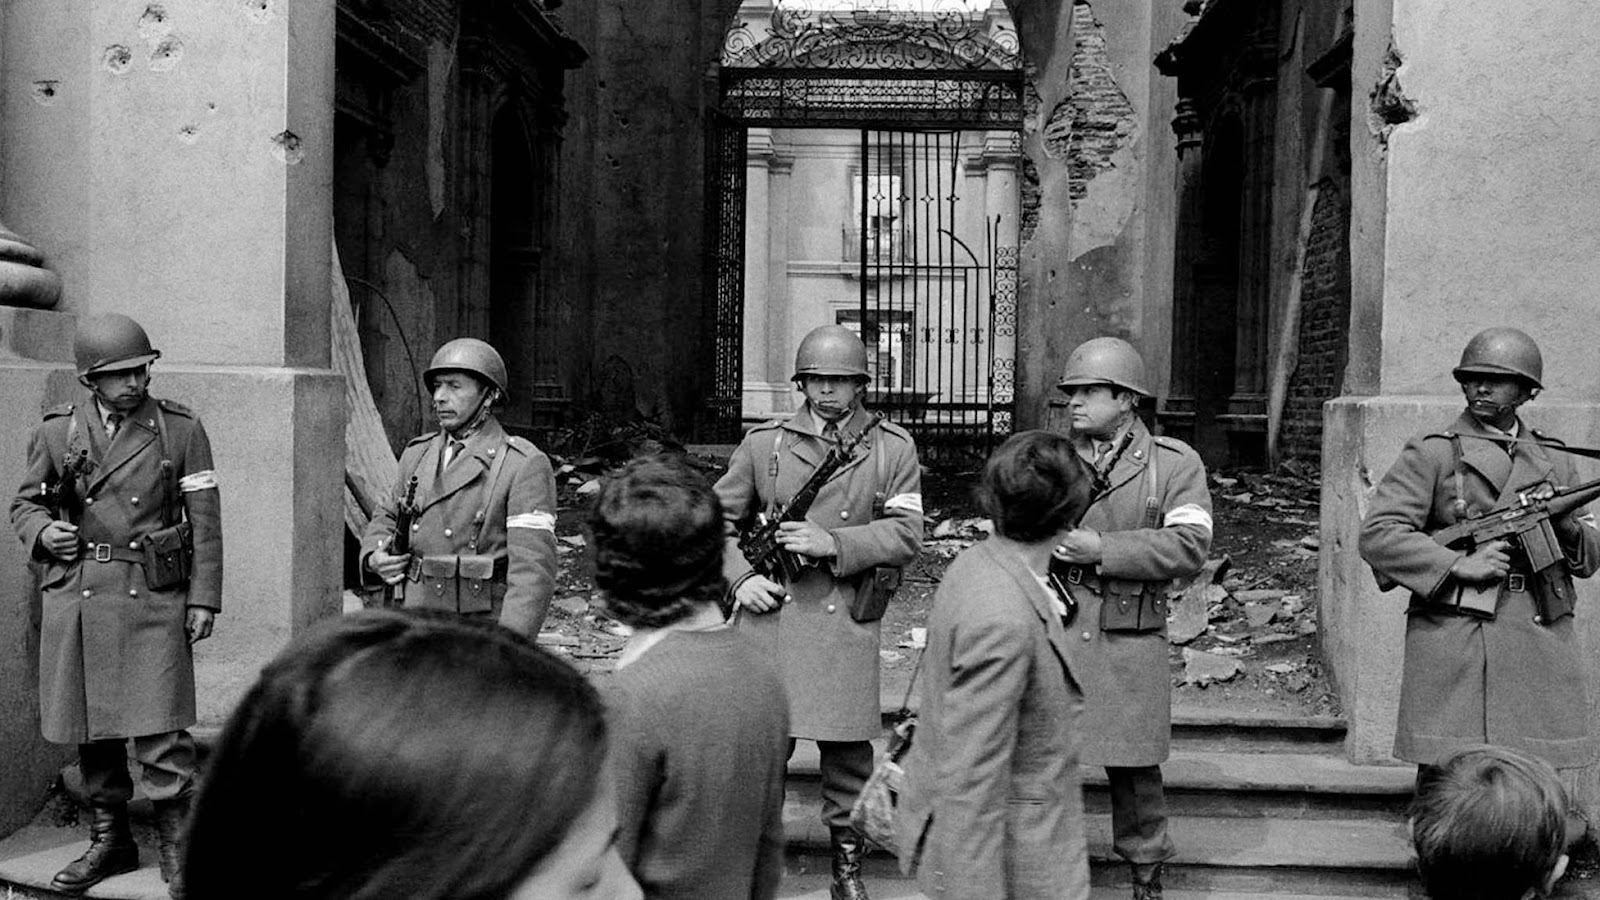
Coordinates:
[106,553]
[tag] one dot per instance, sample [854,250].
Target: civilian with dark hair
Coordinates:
[992,806]
[405,754]
[1489,824]
[700,718]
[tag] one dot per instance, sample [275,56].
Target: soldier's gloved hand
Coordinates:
[1485,565]
[197,623]
[388,566]
[1081,546]
[807,539]
[760,594]
[60,539]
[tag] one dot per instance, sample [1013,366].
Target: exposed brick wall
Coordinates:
[1099,118]
[1324,326]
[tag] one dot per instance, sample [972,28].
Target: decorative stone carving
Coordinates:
[24,280]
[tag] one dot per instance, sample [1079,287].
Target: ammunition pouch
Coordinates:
[460,584]
[169,557]
[872,596]
[1127,607]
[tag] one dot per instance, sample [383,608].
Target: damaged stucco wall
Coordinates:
[1098,213]
[632,199]
[173,161]
[1474,185]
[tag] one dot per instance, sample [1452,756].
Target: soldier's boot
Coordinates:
[1147,881]
[111,852]
[171,815]
[848,849]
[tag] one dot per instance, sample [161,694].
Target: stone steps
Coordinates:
[1259,805]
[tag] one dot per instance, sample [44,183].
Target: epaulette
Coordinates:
[176,408]
[520,444]
[1546,438]
[1173,444]
[766,426]
[59,410]
[421,438]
[895,430]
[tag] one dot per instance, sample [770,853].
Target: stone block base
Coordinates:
[278,439]
[1363,628]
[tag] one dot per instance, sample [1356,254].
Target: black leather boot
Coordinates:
[171,816]
[111,852]
[848,848]
[1147,881]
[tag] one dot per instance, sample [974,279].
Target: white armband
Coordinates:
[543,521]
[908,502]
[1188,514]
[198,481]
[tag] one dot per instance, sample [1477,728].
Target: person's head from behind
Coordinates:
[396,754]
[1489,824]
[1034,487]
[657,533]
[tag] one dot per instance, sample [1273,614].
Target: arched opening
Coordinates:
[515,326]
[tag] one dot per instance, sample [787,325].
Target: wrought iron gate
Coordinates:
[938,290]
[938,314]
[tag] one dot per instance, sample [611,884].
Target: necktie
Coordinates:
[453,452]
[830,432]
[113,424]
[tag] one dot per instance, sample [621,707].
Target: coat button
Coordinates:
[133,592]
[831,607]
[438,588]
[88,593]
[448,532]
[133,545]
[844,513]
[88,501]
[134,500]
[415,525]
[1087,636]
[477,516]
[1538,620]
[491,451]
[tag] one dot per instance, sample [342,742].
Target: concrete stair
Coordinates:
[1261,807]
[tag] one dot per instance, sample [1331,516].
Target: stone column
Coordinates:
[1474,186]
[174,162]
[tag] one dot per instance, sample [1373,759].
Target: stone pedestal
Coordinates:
[1472,190]
[173,162]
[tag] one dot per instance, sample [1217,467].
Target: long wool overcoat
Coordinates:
[114,659]
[461,513]
[992,797]
[1511,681]
[828,661]
[1126,677]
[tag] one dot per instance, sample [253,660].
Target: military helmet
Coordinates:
[830,350]
[1500,352]
[111,343]
[468,355]
[1105,360]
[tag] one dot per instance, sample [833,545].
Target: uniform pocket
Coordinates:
[436,584]
[476,581]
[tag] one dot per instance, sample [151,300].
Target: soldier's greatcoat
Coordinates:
[114,658]
[829,662]
[1511,681]
[1126,677]
[463,515]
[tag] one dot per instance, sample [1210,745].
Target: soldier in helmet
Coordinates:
[119,508]
[483,533]
[821,630]
[1482,666]
[1149,525]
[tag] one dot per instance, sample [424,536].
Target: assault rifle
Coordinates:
[60,492]
[405,512]
[759,542]
[1525,522]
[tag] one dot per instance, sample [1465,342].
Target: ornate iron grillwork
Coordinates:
[724,275]
[870,34]
[830,98]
